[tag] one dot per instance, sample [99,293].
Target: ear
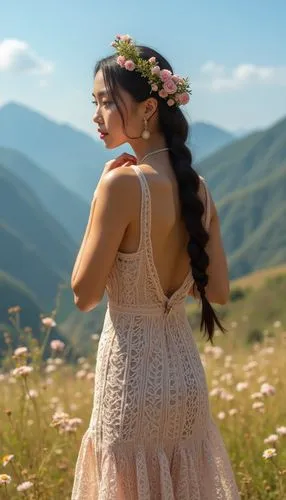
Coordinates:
[150,107]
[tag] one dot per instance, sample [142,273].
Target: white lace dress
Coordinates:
[151,435]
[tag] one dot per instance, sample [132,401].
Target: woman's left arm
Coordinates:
[109,218]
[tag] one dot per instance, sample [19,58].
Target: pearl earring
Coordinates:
[145,134]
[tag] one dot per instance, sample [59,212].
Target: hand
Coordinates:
[125,159]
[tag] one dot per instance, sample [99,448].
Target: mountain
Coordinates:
[205,139]
[35,249]
[248,181]
[68,208]
[72,156]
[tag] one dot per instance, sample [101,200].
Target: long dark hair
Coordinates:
[175,129]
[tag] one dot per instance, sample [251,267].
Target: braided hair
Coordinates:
[175,129]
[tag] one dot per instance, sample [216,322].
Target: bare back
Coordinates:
[168,232]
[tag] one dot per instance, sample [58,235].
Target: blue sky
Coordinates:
[233,52]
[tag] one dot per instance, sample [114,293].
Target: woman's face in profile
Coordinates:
[107,117]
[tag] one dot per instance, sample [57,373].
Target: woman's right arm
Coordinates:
[217,289]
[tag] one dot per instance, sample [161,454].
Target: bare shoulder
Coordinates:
[121,185]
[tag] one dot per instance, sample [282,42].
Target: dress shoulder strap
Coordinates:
[145,218]
[207,215]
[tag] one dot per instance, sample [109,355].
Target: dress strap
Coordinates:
[145,217]
[207,214]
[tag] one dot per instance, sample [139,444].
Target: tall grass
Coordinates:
[45,408]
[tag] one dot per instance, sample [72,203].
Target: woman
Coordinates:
[153,237]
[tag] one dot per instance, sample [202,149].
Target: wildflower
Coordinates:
[24,486]
[81,360]
[50,368]
[271,439]
[6,459]
[221,415]
[49,322]
[96,336]
[240,386]
[90,376]
[81,374]
[256,395]
[277,324]
[32,394]
[20,351]
[267,389]
[58,361]
[232,411]
[258,405]
[22,371]
[129,65]
[5,479]
[281,430]
[57,345]
[269,453]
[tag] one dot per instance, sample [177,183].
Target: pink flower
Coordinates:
[155,70]
[152,60]
[176,78]
[129,65]
[57,345]
[163,93]
[121,61]
[154,87]
[184,98]
[170,87]
[170,102]
[165,75]
[125,38]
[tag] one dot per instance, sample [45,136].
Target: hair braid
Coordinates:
[175,129]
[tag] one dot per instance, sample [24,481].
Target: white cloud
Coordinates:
[17,56]
[218,78]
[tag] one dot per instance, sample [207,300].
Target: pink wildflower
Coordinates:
[57,345]
[129,65]
[163,93]
[165,75]
[121,61]
[170,87]
[49,322]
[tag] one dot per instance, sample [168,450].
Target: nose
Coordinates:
[97,118]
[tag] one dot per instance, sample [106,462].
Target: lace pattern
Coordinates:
[151,436]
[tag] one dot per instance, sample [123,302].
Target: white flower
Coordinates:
[281,430]
[20,351]
[267,389]
[22,371]
[24,486]
[277,324]
[81,374]
[49,322]
[95,336]
[240,386]
[232,411]
[256,395]
[269,453]
[221,415]
[258,405]
[271,439]
[32,394]
[6,459]
[50,368]
[5,479]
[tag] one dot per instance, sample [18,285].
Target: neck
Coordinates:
[141,147]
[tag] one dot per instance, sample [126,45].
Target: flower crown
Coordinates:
[174,89]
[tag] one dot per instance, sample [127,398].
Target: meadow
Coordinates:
[46,404]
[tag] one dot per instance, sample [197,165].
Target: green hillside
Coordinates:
[248,181]
[65,206]
[34,249]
